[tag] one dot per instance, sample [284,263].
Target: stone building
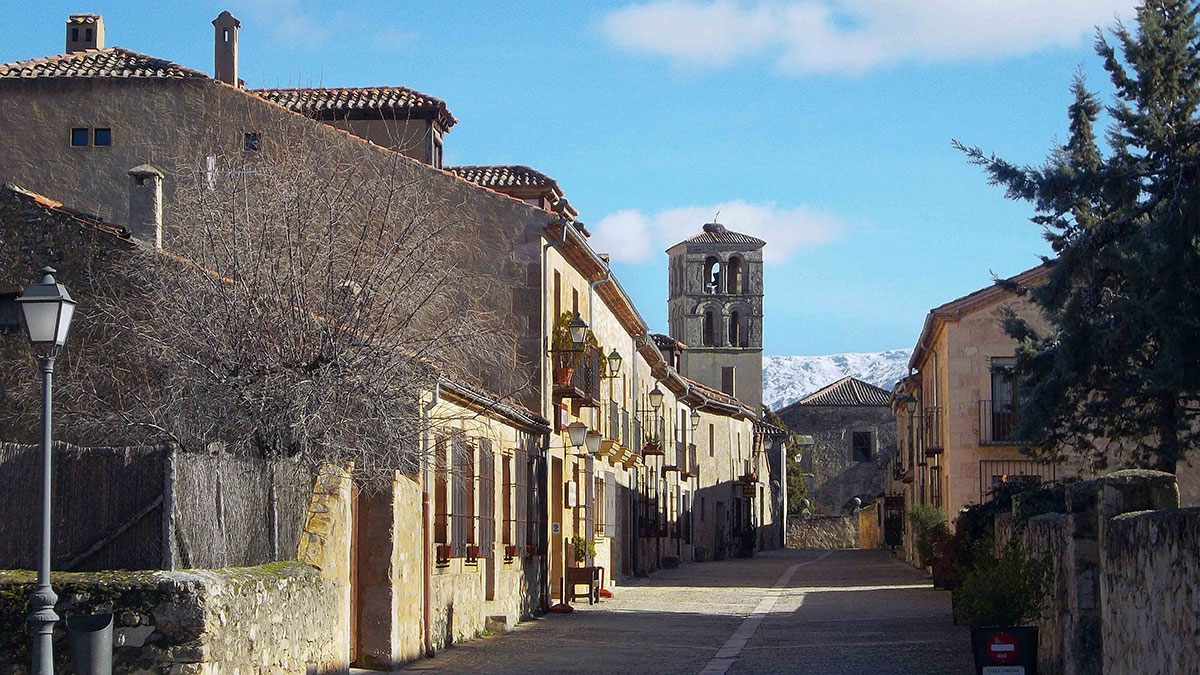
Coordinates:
[679,471]
[854,437]
[715,307]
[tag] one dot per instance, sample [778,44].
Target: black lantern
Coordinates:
[578,329]
[614,363]
[656,398]
[48,310]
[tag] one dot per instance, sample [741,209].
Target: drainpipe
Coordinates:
[427,527]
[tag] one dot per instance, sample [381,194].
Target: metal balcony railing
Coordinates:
[931,430]
[652,433]
[577,375]
[998,422]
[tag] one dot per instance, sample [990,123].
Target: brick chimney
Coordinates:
[84,31]
[225,42]
[145,204]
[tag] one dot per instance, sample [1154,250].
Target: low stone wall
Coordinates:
[274,618]
[1151,592]
[823,532]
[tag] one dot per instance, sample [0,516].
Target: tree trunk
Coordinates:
[1168,433]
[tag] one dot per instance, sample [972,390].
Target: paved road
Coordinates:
[852,612]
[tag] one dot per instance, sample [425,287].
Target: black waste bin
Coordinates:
[91,643]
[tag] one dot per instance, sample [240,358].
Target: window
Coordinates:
[601,506]
[102,137]
[557,296]
[712,440]
[735,333]
[9,313]
[252,141]
[506,533]
[727,380]
[74,35]
[79,136]
[708,338]
[462,497]
[441,512]
[487,499]
[436,159]
[88,35]
[861,441]
[1004,399]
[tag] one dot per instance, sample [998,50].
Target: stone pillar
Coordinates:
[326,544]
[145,204]
[1090,504]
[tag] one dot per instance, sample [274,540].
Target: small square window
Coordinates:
[253,141]
[79,136]
[102,136]
[862,446]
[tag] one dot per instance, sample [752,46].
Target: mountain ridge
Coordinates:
[787,379]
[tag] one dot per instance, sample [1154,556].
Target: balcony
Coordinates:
[931,431]
[652,435]
[577,375]
[692,470]
[998,423]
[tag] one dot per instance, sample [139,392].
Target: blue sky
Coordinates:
[823,126]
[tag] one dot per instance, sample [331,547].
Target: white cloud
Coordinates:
[852,36]
[630,236]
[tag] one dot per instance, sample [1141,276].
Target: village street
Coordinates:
[853,612]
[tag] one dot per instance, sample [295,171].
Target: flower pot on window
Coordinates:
[531,551]
[472,553]
[443,553]
[510,551]
[562,376]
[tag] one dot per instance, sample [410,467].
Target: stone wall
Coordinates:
[1151,592]
[824,532]
[274,618]
[870,533]
[836,477]
[1123,576]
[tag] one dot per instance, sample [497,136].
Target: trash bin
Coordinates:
[91,643]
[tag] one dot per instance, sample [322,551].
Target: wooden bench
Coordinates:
[591,577]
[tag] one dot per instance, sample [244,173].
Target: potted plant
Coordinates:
[531,551]
[584,548]
[566,358]
[925,518]
[1000,597]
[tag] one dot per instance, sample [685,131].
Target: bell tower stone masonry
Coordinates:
[715,307]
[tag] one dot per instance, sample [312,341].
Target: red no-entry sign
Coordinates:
[1002,647]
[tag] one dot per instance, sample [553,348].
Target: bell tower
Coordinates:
[715,307]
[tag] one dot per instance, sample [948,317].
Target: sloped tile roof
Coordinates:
[849,391]
[82,19]
[114,62]
[504,175]
[716,233]
[323,102]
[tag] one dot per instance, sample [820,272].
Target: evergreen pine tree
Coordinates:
[1118,371]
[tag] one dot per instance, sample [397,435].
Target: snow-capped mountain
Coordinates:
[787,379]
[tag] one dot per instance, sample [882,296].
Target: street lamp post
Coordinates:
[48,310]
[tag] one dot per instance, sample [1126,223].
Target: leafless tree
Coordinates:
[308,293]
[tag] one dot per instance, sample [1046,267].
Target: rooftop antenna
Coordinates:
[715,216]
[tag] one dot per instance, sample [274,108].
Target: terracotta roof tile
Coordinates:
[324,102]
[849,391]
[83,18]
[505,175]
[716,233]
[114,62]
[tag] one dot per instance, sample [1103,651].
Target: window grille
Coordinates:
[530,513]
[862,446]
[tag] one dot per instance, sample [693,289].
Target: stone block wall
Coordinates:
[870,534]
[1151,592]
[823,532]
[274,618]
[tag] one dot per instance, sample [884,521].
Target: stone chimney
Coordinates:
[84,31]
[145,204]
[225,43]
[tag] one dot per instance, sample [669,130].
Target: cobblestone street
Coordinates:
[853,612]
